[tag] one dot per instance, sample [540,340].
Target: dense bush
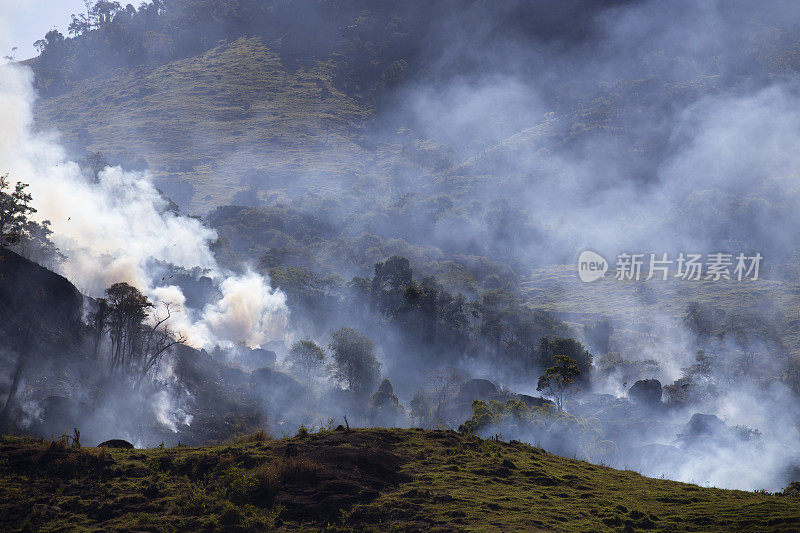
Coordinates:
[556,431]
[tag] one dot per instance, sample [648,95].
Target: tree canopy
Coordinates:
[354,360]
[559,379]
[14,210]
[305,358]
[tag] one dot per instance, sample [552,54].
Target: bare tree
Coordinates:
[139,336]
[444,385]
[431,406]
[158,340]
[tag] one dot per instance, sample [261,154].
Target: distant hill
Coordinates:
[206,126]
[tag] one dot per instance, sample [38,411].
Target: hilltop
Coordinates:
[204,124]
[365,479]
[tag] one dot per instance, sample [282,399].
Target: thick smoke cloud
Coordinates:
[113,229]
[118,228]
[656,158]
[658,131]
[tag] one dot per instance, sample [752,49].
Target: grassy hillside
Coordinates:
[643,306]
[211,120]
[355,480]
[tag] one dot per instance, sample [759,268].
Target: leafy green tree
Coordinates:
[305,360]
[391,280]
[354,361]
[551,348]
[14,210]
[559,379]
[103,11]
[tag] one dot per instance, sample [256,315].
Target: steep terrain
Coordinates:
[640,310]
[316,180]
[206,123]
[409,480]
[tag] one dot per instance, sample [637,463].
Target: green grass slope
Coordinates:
[648,306]
[370,479]
[212,119]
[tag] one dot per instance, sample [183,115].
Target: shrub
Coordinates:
[192,502]
[59,445]
[792,490]
[261,484]
[558,431]
[230,515]
[250,438]
[101,455]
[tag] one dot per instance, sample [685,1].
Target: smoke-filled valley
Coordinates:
[221,217]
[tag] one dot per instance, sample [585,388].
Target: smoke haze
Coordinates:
[113,228]
[617,127]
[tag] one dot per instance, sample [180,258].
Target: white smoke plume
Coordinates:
[111,229]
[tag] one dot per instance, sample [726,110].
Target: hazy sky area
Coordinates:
[23,22]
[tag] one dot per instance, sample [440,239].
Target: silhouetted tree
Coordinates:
[305,360]
[392,277]
[136,345]
[103,11]
[559,379]
[96,163]
[354,361]
[699,319]
[385,408]
[14,210]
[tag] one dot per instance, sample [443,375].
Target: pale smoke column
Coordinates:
[111,229]
[248,311]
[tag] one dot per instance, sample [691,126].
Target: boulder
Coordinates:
[534,401]
[646,392]
[701,425]
[476,389]
[116,443]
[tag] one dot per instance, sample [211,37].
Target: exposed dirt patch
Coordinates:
[351,469]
